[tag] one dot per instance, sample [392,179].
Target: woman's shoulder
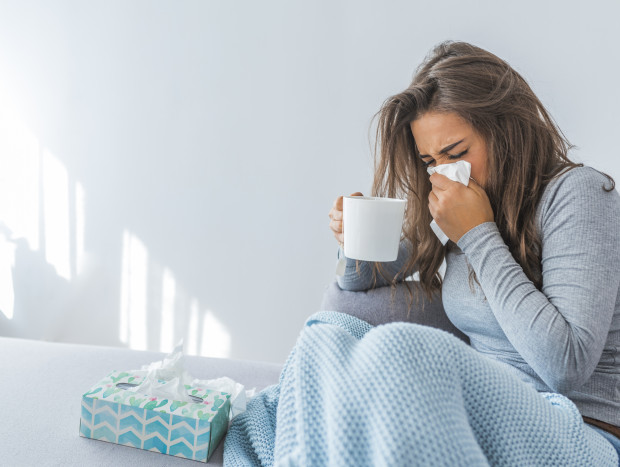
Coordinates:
[579,176]
[578,181]
[576,188]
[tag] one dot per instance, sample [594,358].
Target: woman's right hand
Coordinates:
[335,215]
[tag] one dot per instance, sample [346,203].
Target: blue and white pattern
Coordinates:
[192,436]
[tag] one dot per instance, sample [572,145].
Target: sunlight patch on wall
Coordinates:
[132,329]
[56,215]
[80,210]
[19,178]
[19,197]
[215,337]
[36,196]
[7,261]
[192,328]
[43,216]
[168,296]
[206,335]
[178,314]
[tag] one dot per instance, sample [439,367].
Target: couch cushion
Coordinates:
[386,304]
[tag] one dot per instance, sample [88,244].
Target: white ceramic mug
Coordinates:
[372,227]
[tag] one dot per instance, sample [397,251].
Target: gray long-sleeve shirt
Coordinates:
[564,338]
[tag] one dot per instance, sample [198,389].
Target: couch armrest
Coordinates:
[384,305]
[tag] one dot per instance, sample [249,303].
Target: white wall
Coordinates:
[167,167]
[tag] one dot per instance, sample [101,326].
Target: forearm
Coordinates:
[360,277]
[559,331]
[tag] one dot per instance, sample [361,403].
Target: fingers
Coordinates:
[336,211]
[432,203]
[336,215]
[478,189]
[335,223]
[338,204]
[474,185]
[440,181]
[339,200]
[336,226]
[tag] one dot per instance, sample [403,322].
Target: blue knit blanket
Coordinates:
[404,394]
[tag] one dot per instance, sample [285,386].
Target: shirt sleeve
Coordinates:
[357,279]
[560,330]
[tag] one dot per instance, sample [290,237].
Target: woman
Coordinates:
[532,266]
[531,277]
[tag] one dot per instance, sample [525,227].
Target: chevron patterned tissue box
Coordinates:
[191,430]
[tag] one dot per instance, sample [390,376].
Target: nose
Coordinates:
[443,161]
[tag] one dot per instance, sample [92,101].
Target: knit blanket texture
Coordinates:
[398,394]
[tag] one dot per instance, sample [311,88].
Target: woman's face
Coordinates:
[443,138]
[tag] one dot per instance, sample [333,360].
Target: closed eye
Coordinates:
[449,156]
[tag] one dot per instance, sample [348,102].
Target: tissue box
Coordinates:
[183,429]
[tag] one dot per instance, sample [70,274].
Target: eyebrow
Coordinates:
[446,149]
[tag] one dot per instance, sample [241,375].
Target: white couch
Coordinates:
[41,385]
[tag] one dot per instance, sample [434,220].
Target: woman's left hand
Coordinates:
[458,208]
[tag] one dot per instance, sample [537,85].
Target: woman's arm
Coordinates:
[561,330]
[354,281]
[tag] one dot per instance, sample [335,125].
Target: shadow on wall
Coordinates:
[53,287]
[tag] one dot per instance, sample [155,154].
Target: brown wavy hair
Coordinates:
[525,149]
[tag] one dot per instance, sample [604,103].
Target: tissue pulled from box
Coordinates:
[459,172]
[168,379]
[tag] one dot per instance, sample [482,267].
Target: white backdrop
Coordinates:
[167,167]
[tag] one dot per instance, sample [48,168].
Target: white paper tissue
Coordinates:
[167,379]
[459,172]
